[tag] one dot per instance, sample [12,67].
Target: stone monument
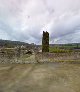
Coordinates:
[45,42]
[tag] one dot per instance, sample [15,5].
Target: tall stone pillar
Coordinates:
[45,42]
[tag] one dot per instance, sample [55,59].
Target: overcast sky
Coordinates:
[25,20]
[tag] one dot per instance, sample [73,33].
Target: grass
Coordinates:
[57,50]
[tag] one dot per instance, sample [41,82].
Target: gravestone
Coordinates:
[45,42]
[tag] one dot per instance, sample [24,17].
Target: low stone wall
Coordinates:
[52,57]
[16,58]
[39,57]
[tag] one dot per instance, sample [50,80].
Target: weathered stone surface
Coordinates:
[45,42]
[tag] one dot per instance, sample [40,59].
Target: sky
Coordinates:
[25,20]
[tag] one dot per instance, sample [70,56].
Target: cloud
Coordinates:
[25,20]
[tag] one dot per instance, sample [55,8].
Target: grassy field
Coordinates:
[48,77]
[58,50]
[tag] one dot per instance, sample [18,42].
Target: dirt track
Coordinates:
[48,77]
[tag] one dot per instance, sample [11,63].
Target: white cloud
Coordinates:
[25,20]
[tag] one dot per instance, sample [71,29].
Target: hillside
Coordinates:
[67,46]
[8,43]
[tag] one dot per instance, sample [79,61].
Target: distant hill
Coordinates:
[67,46]
[8,43]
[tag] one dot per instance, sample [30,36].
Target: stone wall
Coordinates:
[40,57]
[15,56]
[52,57]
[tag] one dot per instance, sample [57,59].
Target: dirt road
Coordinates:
[48,77]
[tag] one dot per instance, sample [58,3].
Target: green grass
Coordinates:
[57,50]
